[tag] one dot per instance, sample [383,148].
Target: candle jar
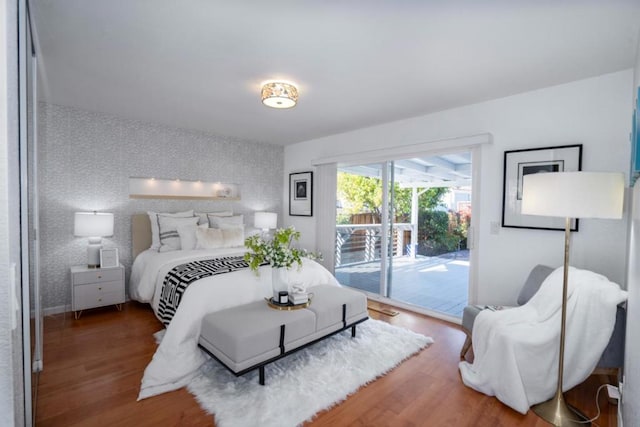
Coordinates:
[283,297]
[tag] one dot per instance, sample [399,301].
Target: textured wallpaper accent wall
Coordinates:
[87,158]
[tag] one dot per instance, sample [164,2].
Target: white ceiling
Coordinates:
[198,64]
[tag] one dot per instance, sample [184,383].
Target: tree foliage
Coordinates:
[364,194]
[440,231]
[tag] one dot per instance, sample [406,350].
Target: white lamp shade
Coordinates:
[266,220]
[93,224]
[573,194]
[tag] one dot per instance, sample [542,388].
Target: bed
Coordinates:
[177,358]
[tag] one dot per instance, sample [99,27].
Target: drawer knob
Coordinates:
[99,288]
[99,299]
[99,276]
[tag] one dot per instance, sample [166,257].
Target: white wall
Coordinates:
[595,112]
[631,392]
[86,159]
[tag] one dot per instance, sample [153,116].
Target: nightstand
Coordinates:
[96,287]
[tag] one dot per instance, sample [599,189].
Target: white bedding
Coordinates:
[516,350]
[178,357]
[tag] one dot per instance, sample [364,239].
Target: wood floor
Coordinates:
[93,367]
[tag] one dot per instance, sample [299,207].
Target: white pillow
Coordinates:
[209,238]
[205,220]
[233,236]
[168,227]
[225,221]
[187,235]
[155,234]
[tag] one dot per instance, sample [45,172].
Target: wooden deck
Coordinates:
[435,283]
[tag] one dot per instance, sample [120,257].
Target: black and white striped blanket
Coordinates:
[180,277]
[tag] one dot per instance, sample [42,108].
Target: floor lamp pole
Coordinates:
[555,410]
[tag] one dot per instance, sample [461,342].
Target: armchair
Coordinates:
[613,356]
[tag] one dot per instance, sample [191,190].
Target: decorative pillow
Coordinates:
[225,221]
[187,235]
[168,227]
[205,220]
[155,233]
[233,236]
[209,238]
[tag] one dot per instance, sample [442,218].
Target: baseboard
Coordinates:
[56,310]
[62,309]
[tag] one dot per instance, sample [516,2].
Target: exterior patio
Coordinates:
[437,283]
[382,212]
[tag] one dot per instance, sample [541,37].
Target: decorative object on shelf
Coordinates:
[278,253]
[301,194]
[95,226]
[265,221]
[279,95]
[109,258]
[570,195]
[283,297]
[298,296]
[157,188]
[520,163]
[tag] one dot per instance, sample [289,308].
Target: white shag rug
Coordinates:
[306,382]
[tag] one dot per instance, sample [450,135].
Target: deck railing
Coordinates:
[360,243]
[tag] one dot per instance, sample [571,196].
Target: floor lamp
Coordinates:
[570,195]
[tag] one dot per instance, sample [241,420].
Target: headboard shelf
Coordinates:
[139,196]
[160,188]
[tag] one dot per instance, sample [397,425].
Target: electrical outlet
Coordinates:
[613,392]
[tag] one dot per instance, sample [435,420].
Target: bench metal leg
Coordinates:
[261,375]
[353,331]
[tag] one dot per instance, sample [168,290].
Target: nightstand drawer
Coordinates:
[98,295]
[97,276]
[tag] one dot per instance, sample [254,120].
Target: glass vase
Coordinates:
[279,280]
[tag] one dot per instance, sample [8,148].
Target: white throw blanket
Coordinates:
[178,357]
[516,350]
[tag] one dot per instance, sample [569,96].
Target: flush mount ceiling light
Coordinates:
[279,95]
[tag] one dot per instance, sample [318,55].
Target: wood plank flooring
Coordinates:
[93,367]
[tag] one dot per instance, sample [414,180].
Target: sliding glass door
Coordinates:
[401,230]
[359,230]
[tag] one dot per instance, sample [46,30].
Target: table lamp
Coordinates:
[93,225]
[570,195]
[265,221]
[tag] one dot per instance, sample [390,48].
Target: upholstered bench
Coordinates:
[253,335]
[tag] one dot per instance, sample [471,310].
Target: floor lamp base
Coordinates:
[558,413]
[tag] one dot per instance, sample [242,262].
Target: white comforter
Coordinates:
[178,357]
[516,350]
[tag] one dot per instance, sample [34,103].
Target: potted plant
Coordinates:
[276,252]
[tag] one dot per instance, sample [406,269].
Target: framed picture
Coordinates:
[301,194]
[518,164]
[109,258]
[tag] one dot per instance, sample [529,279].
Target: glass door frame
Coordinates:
[472,240]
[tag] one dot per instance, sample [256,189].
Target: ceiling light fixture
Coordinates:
[279,95]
